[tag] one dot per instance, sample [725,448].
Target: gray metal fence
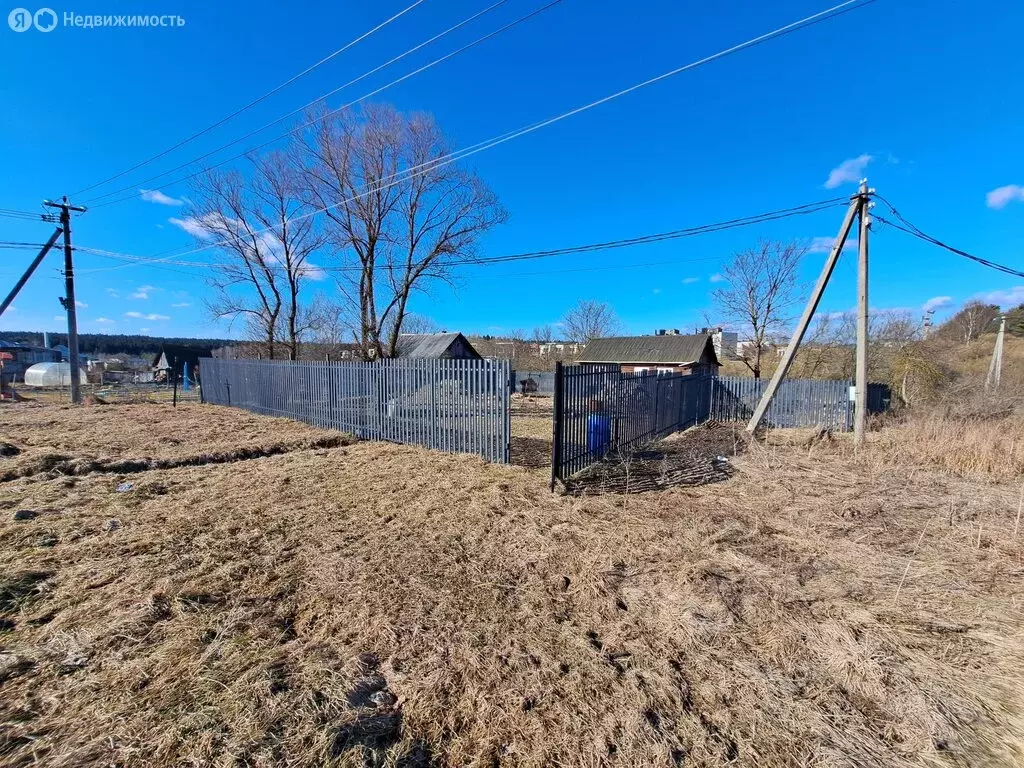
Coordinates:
[532,382]
[797,403]
[599,410]
[456,406]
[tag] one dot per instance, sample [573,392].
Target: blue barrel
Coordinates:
[599,433]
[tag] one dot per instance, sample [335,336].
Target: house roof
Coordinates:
[174,355]
[429,345]
[670,349]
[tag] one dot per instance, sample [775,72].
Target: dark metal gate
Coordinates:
[599,410]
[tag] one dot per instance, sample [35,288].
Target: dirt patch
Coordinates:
[698,456]
[126,438]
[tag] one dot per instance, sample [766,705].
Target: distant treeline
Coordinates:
[113,344]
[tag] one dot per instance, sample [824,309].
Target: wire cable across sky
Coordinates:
[255,101]
[399,177]
[702,229]
[318,100]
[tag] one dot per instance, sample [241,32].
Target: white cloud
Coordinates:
[104,321]
[1003,196]
[851,170]
[143,330]
[181,305]
[212,226]
[151,316]
[113,293]
[1006,299]
[81,304]
[156,196]
[59,318]
[690,280]
[717,278]
[143,291]
[824,245]
[656,290]
[313,272]
[157,317]
[133,314]
[936,302]
[193,226]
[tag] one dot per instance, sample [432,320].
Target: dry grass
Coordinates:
[957,444]
[384,605]
[62,440]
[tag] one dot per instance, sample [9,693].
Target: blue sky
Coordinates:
[923,98]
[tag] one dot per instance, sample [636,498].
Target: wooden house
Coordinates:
[661,353]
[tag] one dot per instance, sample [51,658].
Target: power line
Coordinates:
[452,157]
[745,221]
[256,101]
[911,229]
[10,213]
[12,244]
[321,98]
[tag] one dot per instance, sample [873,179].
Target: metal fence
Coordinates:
[456,406]
[797,403]
[599,410]
[532,382]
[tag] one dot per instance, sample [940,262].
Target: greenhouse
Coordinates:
[51,375]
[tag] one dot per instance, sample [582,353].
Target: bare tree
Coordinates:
[761,288]
[973,319]
[256,222]
[414,323]
[590,320]
[542,334]
[398,215]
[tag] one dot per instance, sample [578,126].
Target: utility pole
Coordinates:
[860,405]
[69,288]
[805,318]
[995,368]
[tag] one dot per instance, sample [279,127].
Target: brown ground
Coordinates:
[373,604]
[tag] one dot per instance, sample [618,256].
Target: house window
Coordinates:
[662,369]
[640,370]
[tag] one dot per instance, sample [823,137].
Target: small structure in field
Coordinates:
[171,362]
[435,346]
[664,352]
[52,375]
[19,358]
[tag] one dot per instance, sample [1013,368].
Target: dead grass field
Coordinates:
[379,605]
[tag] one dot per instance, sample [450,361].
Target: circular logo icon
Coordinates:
[20,19]
[45,20]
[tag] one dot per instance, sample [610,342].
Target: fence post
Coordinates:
[556,426]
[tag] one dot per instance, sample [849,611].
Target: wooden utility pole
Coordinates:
[860,404]
[995,368]
[69,288]
[805,319]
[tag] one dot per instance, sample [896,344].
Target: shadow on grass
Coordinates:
[530,452]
